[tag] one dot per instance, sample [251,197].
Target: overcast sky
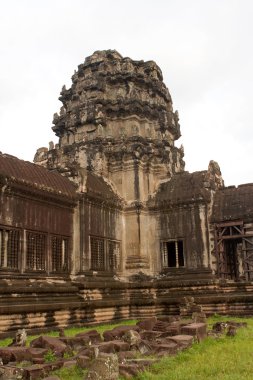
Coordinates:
[204,48]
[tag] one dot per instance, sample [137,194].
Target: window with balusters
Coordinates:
[60,254]
[104,254]
[10,249]
[35,251]
[172,253]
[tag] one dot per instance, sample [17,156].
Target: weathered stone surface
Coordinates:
[9,354]
[129,370]
[112,346]
[147,324]
[132,337]
[165,348]
[145,347]
[49,342]
[83,361]
[150,335]
[90,337]
[104,367]
[198,330]
[37,371]
[11,373]
[117,332]
[182,340]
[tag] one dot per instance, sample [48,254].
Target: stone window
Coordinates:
[10,248]
[36,251]
[172,253]
[105,254]
[60,254]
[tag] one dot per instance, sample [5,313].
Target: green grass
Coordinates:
[213,359]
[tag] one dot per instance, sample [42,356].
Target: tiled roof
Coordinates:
[97,187]
[183,188]
[233,203]
[35,176]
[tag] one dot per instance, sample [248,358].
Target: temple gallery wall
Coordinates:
[107,224]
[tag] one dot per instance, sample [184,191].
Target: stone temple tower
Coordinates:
[117,122]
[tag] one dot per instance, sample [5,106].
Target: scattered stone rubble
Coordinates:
[123,351]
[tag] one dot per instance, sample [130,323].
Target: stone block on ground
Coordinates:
[90,337]
[37,371]
[129,370]
[150,335]
[124,355]
[145,347]
[182,340]
[16,354]
[83,361]
[104,367]
[37,352]
[55,344]
[132,337]
[165,347]
[161,326]
[75,343]
[11,373]
[112,346]
[198,330]
[147,324]
[117,332]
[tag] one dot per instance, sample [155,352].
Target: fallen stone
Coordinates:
[16,354]
[11,373]
[161,326]
[55,344]
[147,324]
[112,346]
[37,352]
[219,327]
[36,371]
[124,355]
[83,361]
[104,367]
[117,332]
[182,340]
[132,337]
[198,330]
[167,348]
[90,337]
[75,343]
[231,331]
[129,370]
[145,347]
[150,335]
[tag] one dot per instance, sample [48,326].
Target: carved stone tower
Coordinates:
[117,121]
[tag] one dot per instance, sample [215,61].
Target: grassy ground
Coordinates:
[224,358]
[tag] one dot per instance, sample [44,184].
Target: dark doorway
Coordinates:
[232,258]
